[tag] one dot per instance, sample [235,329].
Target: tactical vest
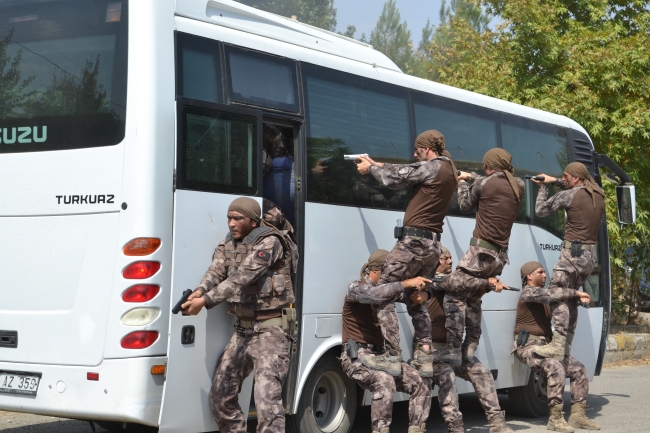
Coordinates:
[272,290]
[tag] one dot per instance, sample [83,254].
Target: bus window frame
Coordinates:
[181,144]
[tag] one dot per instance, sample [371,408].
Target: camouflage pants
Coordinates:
[569,273]
[556,373]
[444,376]
[383,387]
[266,354]
[464,290]
[409,258]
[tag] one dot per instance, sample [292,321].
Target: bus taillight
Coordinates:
[141,246]
[140,270]
[139,339]
[140,293]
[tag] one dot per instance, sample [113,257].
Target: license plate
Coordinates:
[14,382]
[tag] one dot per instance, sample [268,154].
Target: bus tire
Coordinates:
[328,402]
[530,400]
[116,426]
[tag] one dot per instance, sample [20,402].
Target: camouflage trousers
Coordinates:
[464,290]
[556,373]
[444,376]
[569,273]
[264,352]
[383,386]
[410,257]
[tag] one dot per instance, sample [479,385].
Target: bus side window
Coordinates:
[198,73]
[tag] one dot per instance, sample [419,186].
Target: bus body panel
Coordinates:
[199,226]
[126,391]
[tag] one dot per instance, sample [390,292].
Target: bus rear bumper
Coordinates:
[125,391]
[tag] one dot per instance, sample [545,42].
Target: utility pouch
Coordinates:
[576,248]
[523,338]
[351,348]
[288,317]
[398,232]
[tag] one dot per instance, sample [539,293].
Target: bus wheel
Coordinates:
[530,400]
[328,401]
[116,426]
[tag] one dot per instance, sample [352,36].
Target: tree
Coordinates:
[350,31]
[13,89]
[586,59]
[392,37]
[319,13]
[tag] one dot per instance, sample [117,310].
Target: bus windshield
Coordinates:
[62,74]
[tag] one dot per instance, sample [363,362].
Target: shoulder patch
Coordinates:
[263,255]
[403,170]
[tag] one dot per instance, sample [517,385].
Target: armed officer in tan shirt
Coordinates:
[417,250]
[251,270]
[584,203]
[533,331]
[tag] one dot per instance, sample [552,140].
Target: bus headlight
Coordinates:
[140,316]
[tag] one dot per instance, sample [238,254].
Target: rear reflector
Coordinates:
[140,270]
[92,376]
[157,369]
[140,316]
[141,246]
[140,293]
[139,339]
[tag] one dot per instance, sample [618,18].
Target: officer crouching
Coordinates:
[251,269]
[362,336]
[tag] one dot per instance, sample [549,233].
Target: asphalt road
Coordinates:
[618,401]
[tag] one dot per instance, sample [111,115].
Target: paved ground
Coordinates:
[618,401]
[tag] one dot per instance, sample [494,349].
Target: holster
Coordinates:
[522,339]
[576,248]
[351,349]
[288,318]
[398,232]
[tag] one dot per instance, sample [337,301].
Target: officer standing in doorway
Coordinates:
[251,270]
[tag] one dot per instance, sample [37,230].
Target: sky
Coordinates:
[364,15]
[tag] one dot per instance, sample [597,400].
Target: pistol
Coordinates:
[537,178]
[177,307]
[354,157]
[583,305]
[351,346]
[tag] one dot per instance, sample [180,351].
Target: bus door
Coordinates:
[218,158]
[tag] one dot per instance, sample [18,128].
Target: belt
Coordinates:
[412,231]
[486,244]
[250,324]
[586,247]
[533,338]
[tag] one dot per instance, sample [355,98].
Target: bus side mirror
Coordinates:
[626,201]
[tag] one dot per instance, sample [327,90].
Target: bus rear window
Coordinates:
[62,74]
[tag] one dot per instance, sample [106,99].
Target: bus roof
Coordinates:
[229,13]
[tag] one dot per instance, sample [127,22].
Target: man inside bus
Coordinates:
[251,269]
[584,203]
[472,370]
[433,178]
[496,198]
[533,330]
[362,335]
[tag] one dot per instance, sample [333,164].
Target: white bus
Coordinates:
[126,129]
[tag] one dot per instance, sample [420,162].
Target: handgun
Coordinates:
[440,280]
[354,157]
[177,307]
[583,304]
[537,178]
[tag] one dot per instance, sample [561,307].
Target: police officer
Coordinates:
[362,336]
[471,370]
[532,331]
[417,250]
[251,270]
[496,198]
[584,203]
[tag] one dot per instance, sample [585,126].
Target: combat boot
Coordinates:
[417,429]
[422,361]
[569,342]
[450,354]
[553,350]
[578,418]
[556,420]
[389,361]
[468,351]
[384,430]
[498,424]
[456,426]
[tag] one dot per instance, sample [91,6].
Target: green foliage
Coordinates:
[392,37]
[319,13]
[350,31]
[13,92]
[586,59]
